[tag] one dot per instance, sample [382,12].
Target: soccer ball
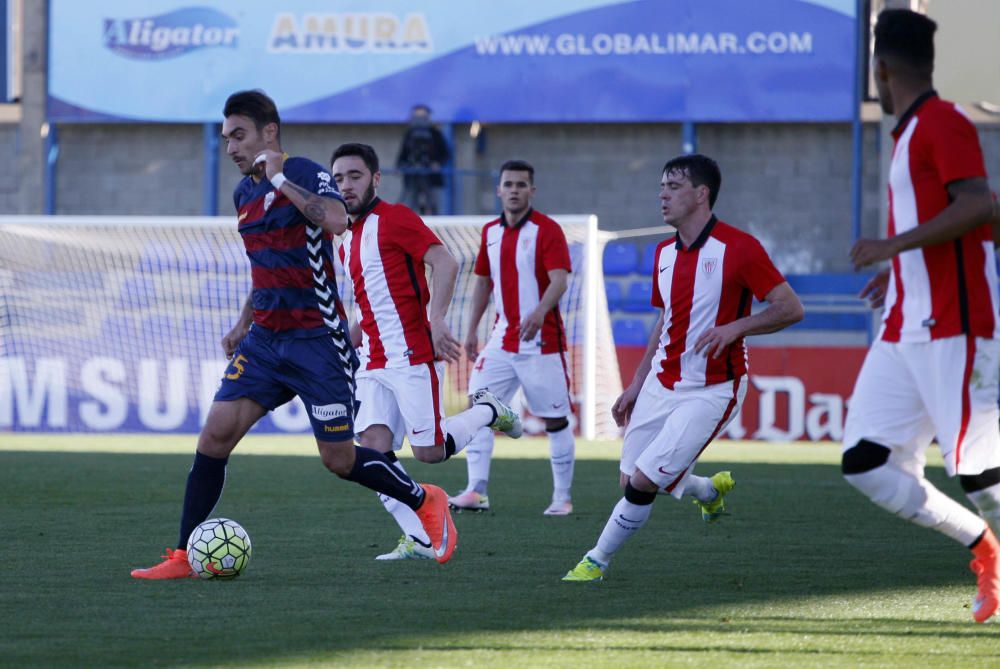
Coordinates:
[218,548]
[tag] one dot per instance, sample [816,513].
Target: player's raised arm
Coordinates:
[327,212]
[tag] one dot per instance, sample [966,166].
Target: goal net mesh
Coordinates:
[114,323]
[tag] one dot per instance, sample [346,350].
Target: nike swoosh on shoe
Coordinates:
[440,550]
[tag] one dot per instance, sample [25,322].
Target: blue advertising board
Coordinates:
[364,61]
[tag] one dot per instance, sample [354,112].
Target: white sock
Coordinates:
[562,453]
[988,503]
[478,456]
[404,516]
[916,500]
[625,521]
[701,488]
[464,426]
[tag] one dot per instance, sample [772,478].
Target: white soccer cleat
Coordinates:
[470,500]
[559,508]
[507,421]
[408,549]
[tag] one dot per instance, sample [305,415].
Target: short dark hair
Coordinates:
[255,105]
[519,166]
[700,171]
[362,151]
[907,37]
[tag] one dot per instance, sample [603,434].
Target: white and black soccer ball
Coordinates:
[219,548]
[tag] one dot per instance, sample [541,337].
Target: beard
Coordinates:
[363,202]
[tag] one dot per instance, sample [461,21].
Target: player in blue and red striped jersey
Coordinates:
[291,338]
[932,372]
[402,347]
[692,379]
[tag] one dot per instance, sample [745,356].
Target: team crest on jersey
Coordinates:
[709,265]
[325,186]
[268,200]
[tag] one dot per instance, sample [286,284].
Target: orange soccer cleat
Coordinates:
[987,570]
[435,516]
[174,565]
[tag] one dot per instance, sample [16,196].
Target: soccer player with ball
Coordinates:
[291,338]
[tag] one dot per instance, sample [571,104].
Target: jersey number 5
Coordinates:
[237,364]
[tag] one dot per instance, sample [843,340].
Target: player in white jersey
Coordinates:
[692,379]
[523,257]
[402,348]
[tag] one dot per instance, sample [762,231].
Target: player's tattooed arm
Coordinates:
[329,214]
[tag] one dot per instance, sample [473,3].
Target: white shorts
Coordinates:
[407,400]
[544,378]
[908,394]
[670,428]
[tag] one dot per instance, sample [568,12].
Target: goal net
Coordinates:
[113,323]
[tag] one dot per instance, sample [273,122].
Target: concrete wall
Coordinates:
[789,184]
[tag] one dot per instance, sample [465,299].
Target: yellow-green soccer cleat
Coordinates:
[507,420]
[711,511]
[408,549]
[586,571]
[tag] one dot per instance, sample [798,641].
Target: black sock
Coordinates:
[204,488]
[373,470]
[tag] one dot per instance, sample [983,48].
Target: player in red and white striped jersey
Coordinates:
[933,372]
[402,350]
[692,379]
[523,257]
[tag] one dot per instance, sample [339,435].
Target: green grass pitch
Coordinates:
[803,572]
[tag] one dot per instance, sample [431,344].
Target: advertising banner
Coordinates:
[795,393]
[517,61]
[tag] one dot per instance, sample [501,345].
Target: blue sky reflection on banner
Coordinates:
[518,61]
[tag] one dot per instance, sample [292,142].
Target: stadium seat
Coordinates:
[616,296]
[117,328]
[817,320]
[201,255]
[630,332]
[222,294]
[59,281]
[638,296]
[157,255]
[648,256]
[137,292]
[831,302]
[620,258]
[827,284]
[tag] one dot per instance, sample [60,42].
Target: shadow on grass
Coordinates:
[798,542]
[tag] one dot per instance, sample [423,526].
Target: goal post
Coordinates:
[113,323]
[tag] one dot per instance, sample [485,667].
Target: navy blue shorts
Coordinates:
[272,369]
